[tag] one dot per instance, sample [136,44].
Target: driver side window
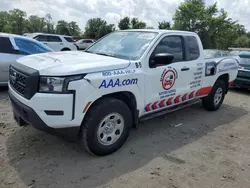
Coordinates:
[171,45]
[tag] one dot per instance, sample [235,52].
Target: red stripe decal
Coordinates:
[231,83]
[191,95]
[170,101]
[154,106]
[147,108]
[204,91]
[185,97]
[162,103]
[177,99]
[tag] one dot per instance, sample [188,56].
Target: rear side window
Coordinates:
[88,41]
[172,45]
[6,46]
[41,38]
[29,47]
[194,51]
[54,39]
[69,39]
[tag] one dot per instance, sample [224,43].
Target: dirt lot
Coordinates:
[209,150]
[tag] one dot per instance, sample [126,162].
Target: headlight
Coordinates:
[240,67]
[56,84]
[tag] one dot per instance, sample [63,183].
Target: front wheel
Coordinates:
[106,127]
[216,97]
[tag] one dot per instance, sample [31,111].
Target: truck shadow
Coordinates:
[49,161]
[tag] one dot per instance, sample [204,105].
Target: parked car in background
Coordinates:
[13,47]
[243,77]
[55,42]
[82,44]
[213,53]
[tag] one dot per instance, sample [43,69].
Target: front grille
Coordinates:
[18,80]
[24,80]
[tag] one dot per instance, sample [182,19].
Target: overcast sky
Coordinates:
[149,11]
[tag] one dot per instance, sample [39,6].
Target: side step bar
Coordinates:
[169,110]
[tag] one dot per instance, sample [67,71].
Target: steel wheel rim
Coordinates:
[110,129]
[218,96]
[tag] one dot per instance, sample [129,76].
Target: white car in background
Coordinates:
[13,47]
[55,42]
[82,44]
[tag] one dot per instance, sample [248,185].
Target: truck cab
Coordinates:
[125,77]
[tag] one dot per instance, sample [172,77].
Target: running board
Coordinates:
[169,110]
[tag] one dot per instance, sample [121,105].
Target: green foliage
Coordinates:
[16,21]
[124,23]
[242,42]
[164,25]
[215,29]
[97,28]
[134,23]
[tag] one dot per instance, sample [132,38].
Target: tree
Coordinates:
[35,24]
[4,20]
[74,29]
[124,23]
[164,25]
[17,21]
[62,28]
[214,27]
[242,42]
[97,28]
[49,24]
[136,24]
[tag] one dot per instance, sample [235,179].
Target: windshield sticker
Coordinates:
[147,36]
[168,78]
[118,83]
[118,72]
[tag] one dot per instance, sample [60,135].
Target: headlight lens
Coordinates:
[51,84]
[56,84]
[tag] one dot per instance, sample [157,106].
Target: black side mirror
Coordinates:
[161,59]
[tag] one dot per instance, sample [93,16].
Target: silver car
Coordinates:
[13,47]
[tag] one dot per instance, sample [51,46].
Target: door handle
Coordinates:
[185,69]
[61,43]
[45,43]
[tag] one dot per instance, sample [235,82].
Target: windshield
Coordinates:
[123,44]
[30,47]
[211,53]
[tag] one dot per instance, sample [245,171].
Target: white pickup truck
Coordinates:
[124,77]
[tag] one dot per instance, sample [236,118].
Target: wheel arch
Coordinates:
[127,97]
[225,78]
[66,49]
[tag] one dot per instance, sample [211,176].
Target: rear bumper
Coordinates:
[241,82]
[24,115]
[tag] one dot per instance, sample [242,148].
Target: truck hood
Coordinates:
[71,62]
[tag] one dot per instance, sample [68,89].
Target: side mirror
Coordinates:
[161,59]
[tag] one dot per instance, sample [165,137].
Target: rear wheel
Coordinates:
[216,97]
[106,127]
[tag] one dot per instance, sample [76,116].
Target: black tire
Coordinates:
[209,102]
[97,112]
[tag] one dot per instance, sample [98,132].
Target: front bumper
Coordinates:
[242,83]
[38,118]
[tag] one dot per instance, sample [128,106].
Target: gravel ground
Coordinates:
[209,150]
